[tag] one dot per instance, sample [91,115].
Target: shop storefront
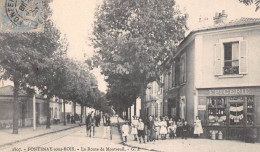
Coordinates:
[228,113]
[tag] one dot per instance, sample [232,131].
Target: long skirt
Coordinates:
[198,130]
[163,130]
[157,129]
[134,131]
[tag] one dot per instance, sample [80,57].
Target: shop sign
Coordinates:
[202,107]
[229,92]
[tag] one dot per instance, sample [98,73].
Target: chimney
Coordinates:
[220,17]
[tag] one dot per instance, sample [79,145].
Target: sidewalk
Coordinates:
[28,133]
[191,144]
[201,145]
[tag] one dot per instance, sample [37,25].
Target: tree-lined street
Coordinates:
[161,74]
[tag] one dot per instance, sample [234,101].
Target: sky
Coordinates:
[75,19]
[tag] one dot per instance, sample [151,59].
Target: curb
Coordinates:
[25,139]
[135,147]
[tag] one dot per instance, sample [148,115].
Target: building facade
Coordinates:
[153,100]
[215,76]
[25,108]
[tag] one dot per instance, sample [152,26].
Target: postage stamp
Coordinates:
[21,16]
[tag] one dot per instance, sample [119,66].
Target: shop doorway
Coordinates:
[236,117]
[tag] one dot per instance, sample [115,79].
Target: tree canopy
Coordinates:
[132,38]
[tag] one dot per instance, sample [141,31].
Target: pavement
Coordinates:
[74,138]
[192,145]
[27,133]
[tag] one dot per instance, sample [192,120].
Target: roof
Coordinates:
[243,21]
[8,91]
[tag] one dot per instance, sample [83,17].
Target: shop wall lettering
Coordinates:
[229,92]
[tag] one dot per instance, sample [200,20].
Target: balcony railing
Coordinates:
[231,69]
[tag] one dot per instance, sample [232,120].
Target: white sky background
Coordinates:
[75,19]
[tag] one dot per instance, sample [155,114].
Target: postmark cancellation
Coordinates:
[21,15]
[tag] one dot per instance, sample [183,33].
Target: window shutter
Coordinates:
[173,75]
[242,57]
[218,63]
[185,68]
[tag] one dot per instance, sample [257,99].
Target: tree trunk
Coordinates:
[16,112]
[135,107]
[64,113]
[74,109]
[130,115]
[126,114]
[143,104]
[48,123]
[81,113]
[85,112]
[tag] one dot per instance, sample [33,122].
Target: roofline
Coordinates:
[6,86]
[192,33]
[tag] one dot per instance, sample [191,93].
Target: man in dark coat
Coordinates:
[88,124]
[150,130]
[92,123]
[68,117]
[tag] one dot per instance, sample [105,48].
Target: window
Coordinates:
[183,68]
[166,82]
[216,110]
[231,58]
[170,78]
[161,78]
[173,76]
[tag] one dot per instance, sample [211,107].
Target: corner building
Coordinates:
[217,76]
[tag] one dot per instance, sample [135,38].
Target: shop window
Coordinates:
[231,58]
[236,114]
[216,111]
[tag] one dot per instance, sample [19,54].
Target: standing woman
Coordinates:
[125,130]
[197,127]
[157,127]
[163,130]
[134,127]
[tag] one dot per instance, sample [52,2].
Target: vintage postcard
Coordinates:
[129,75]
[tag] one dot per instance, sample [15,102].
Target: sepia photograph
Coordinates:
[129,75]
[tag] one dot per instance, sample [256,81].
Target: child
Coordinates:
[185,130]
[163,130]
[157,128]
[125,130]
[134,127]
[172,130]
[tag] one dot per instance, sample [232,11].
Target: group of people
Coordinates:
[161,128]
[93,120]
[72,119]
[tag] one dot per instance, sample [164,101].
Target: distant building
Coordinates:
[25,108]
[153,100]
